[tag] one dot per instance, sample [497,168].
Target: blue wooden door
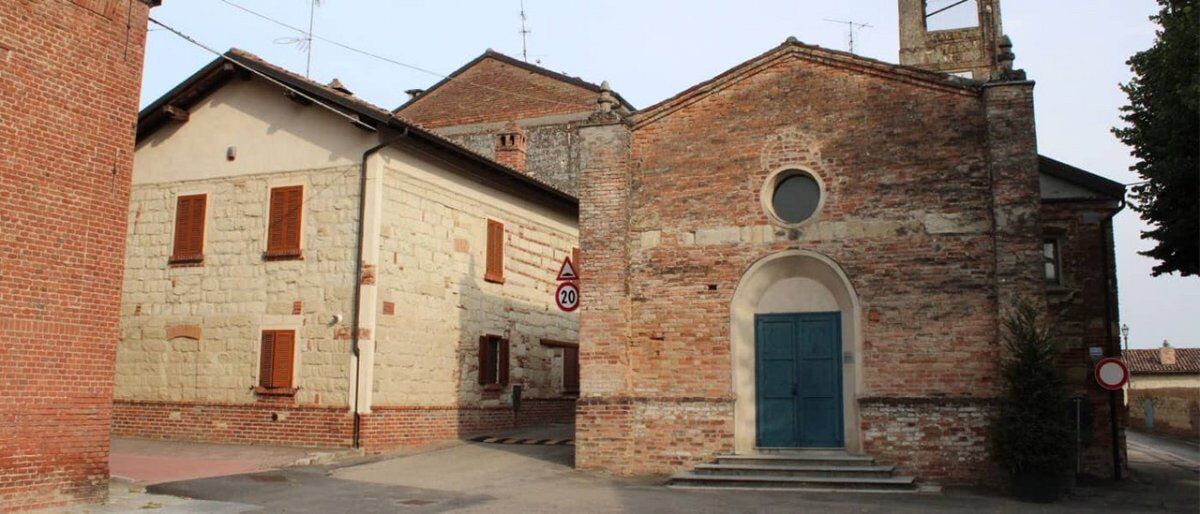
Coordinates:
[799,380]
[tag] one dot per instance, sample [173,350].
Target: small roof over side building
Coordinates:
[495,87]
[1155,362]
[1062,182]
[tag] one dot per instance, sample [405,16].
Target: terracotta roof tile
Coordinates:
[1187,360]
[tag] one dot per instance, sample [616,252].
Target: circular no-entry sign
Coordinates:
[1111,373]
[567,296]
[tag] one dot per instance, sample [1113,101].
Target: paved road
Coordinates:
[476,477]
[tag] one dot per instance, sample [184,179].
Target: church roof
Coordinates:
[794,48]
[240,64]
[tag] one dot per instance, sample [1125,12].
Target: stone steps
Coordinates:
[818,471]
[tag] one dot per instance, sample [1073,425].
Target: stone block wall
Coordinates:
[70,78]
[552,151]
[235,294]
[434,238]
[1176,411]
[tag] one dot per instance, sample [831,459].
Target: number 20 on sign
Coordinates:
[567,296]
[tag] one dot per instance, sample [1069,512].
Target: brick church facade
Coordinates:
[929,213]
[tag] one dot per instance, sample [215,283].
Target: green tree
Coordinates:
[1163,128]
[1031,433]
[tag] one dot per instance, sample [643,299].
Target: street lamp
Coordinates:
[1125,334]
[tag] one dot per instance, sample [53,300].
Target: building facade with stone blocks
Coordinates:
[307,269]
[70,77]
[815,249]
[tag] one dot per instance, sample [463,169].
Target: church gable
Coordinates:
[495,87]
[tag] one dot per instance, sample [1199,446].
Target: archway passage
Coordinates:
[795,336]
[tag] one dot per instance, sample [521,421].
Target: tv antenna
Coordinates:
[851,26]
[524,34]
[304,43]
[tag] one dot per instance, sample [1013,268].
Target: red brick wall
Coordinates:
[492,90]
[70,73]
[655,339]
[282,423]
[1076,310]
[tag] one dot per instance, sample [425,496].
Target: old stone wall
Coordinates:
[552,151]
[1176,411]
[70,77]
[235,294]
[432,274]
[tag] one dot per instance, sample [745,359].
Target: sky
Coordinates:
[649,50]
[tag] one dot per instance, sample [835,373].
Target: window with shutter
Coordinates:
[189,230]
[495,252]
[283,223]
[493,362]
[275,364]
[571,370]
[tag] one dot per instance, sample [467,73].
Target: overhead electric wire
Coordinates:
[387,59]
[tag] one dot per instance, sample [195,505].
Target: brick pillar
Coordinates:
[1016,194]
[603,422]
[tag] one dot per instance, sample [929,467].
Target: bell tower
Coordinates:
[960,37]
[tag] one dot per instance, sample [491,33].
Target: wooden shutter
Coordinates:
[189,229]
[484,369]
[575,260]
[285,350]
[266,366]
[570,369]
[283,222]
[495,252]
[503,356]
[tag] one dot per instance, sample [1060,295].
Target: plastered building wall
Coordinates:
[431,270]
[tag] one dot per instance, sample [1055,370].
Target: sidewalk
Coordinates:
[145,462]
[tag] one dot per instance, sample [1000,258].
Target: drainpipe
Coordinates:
[362,218]
[1105,234]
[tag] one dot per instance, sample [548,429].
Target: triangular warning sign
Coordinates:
[567,272]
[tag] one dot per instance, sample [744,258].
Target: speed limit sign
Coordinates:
[567,296]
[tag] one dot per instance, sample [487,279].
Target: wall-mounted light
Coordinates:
[231,153]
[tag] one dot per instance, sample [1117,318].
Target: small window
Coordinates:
[1052,261]
[795,196]
[951,14]
[495,252]
[275,364]
[189,229]
[493,361]
[283,223]
[571,370]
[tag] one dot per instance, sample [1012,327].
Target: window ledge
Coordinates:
[493,387]
[1057,289]
[182,261]
[283,255]
[493,279]
[275,391]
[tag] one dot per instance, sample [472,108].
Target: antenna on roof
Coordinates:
[304,43]
[524,33]
[851,26]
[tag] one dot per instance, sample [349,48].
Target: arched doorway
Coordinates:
[795,339]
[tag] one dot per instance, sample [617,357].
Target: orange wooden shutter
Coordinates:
[575,259]
[503,356]
[495,252]
[189,228]
[283,224]
[570,369]
[483,360]
[285,349]
[266,364]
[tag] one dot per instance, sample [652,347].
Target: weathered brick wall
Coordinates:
[552,151]
[941,440]
[432,267]
[276,422]
[1176,411]
[236,294]
[1076,312]
[907,215]
[70,73]
[391,428]
[493,90]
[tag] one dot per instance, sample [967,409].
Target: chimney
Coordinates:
[963,38]
[337,85]
[510,146]
[1166,354]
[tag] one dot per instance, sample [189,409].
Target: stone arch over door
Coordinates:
[789,282]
